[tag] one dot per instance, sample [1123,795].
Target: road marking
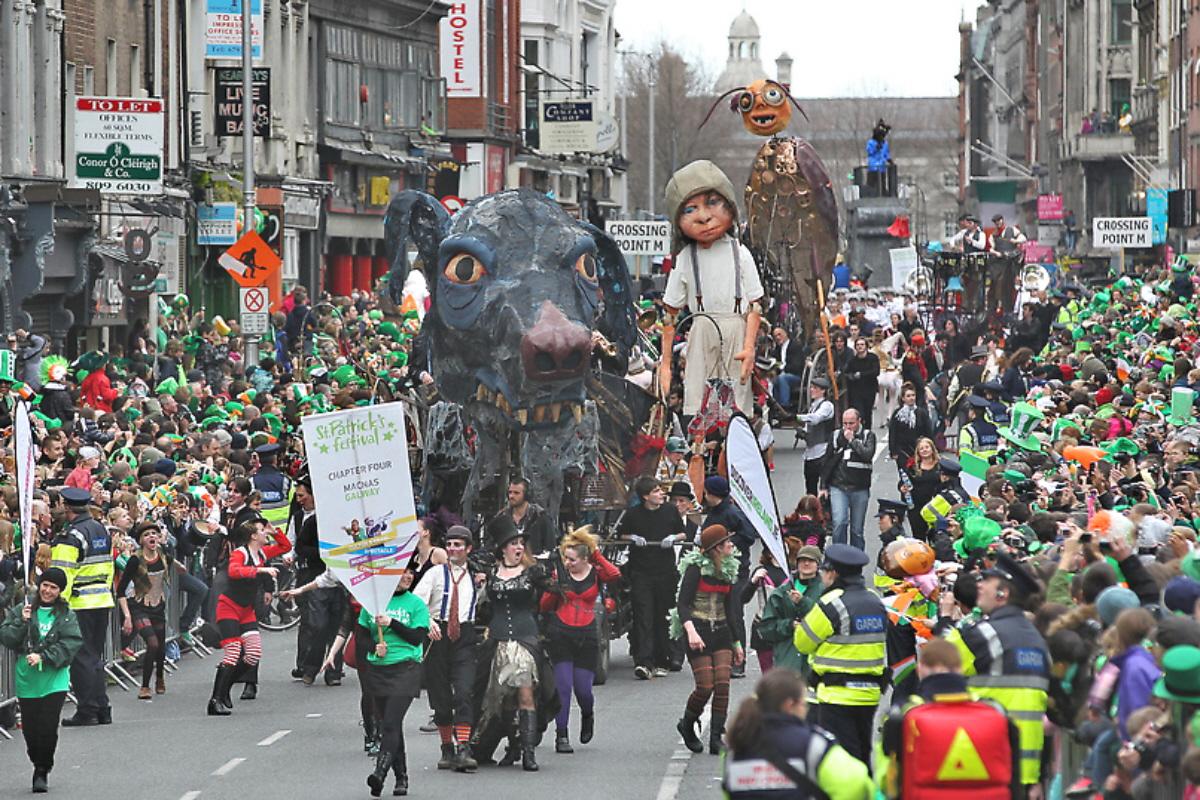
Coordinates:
[228,767]
[313,716]
[668,789]
[273,738]
[192,795]
[880,449]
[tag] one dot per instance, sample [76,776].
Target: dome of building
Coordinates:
[744,64]
[743,27]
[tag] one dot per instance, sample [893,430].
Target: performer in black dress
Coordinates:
[516,675]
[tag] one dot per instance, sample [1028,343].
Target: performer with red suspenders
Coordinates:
[236,617]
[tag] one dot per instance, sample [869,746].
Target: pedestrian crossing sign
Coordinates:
[251,262]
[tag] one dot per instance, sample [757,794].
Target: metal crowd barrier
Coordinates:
[114,663]
[1070,755]
[8,691]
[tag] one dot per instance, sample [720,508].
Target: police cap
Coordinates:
[978,402]
[76,497]
[1011,570]
[949,464]
[892,507]
[844,559]
[267,450]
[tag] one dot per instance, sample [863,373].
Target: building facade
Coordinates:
[568,54]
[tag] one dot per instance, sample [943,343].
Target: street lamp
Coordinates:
[651,82]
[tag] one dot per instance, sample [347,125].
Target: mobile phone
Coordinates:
[1084,538]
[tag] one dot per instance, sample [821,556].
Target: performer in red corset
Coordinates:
[572,640]
[236,618]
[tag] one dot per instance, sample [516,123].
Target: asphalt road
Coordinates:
[305,742]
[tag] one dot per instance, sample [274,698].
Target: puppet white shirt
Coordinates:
[716,279]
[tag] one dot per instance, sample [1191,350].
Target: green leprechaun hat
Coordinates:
[1020,430]
[7,363]
[1182,409]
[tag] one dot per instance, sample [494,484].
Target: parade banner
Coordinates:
[750,486]
[26,467]
[366,518]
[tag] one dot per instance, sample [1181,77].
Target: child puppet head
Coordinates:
[700,198]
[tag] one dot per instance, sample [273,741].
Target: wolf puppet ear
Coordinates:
[618,320]
[417,216]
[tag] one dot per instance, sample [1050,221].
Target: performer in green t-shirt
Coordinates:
[45,636]
[393,674]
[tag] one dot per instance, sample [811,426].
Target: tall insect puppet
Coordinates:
[791,212]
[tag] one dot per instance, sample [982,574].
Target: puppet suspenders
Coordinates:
[737,277]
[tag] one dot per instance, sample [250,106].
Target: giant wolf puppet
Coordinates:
[518,288]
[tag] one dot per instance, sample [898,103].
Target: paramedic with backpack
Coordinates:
[966,746]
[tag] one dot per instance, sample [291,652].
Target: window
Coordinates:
[69,81]
[1118,94]
[950,223]
[341,91]
[110,68]
[135,71]
[1120,24]
[950,180]
[89,81]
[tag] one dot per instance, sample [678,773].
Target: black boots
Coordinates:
[587,727]
[221,684]
[716,733]
[39,782]
[562,741]
[447,759]
[400,767]
[383,763]
[687,729]
[512,752]
[527,721]
[368,734]
[463,761]
[250,692]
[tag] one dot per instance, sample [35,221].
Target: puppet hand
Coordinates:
[747,359]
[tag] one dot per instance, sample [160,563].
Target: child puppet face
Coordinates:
[705,217]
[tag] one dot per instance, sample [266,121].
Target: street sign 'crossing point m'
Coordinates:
[1111,233]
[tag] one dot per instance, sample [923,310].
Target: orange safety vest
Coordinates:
[955,749]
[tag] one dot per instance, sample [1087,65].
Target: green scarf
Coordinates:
[708,569]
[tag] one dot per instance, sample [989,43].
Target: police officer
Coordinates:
[844,636]
[982,758]
[979,436]
[1005,658]
[891,521]
[273,486]
[84,551]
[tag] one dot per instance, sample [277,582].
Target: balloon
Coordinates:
[1083,455]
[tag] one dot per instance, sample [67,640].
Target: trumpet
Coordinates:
[599,340]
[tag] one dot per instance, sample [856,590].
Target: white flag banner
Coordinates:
[366,518]
[26,465]
[750,486]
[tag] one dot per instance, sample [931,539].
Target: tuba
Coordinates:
[919,281]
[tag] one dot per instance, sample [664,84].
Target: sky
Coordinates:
[840,48]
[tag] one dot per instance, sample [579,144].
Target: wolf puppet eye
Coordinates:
[585,265]
[464,269]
